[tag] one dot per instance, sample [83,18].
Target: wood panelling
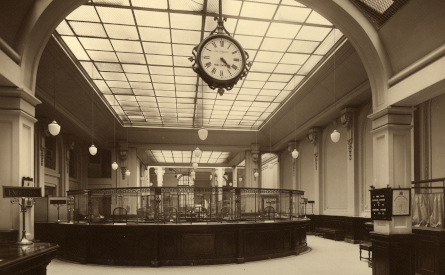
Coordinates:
[154,245]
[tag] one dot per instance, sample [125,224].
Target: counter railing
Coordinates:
[182,205]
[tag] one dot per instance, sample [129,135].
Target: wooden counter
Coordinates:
[175,244]
[26,259]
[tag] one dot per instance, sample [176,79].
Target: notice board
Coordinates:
[381,204]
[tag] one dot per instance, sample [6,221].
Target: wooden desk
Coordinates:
[26,259]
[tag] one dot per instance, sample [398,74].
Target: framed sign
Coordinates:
[27,182]
[381,204]
[401,202]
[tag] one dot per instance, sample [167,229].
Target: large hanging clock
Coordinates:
[220,60]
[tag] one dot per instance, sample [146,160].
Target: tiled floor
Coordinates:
[326,257]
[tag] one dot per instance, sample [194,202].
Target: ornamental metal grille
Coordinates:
[379,11]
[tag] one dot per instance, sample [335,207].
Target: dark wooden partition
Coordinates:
[354,227]
[170,244]
[429,250]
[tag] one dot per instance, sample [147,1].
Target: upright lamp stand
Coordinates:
[24,241]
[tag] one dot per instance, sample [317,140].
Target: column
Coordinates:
[147,175]
[314,137]
[17,111]
[220,176]
[160,173]
[349,121]
[235,176]
[392,240]
[277,173]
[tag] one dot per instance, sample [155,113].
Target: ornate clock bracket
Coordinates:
[212,83]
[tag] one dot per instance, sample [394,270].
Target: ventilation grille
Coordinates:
[379,11]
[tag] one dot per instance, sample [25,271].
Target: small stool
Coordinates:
[367,247]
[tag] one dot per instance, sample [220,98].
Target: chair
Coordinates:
[367,247]
[119,215]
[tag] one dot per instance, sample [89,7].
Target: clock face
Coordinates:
[221,59]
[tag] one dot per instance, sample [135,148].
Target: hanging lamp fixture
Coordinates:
[114,166]
[202,133]
[197,152]
[92,149]
[335,136]
[127,173]
[53,127]
[270,142]
[295,153]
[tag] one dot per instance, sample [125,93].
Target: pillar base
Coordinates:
[392,254]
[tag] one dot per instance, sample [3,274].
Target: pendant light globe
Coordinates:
[256,174]
[203,133]
[197,152]
[127,173]
[335,136]
[93,150]
[114,166]
[54,128]
[295,153]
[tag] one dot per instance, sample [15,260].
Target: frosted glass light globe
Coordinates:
[335,136]
[295,153]
[93,150]
[203,133]
[54,128]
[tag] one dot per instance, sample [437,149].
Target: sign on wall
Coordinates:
[401,202]
[381,204]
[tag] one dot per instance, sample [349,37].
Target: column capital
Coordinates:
[313,135]
[392,116]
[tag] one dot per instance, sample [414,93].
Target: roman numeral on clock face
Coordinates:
[236,59]
[234,52]
[206,57]
[214,71]
[221,42]
[214,44]
[221,73]
[234,67]
[208,64]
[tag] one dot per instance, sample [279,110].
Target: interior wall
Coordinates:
[286,170]
[335,157]
[306,169]
[437,137]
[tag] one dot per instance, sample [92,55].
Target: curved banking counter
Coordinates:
[156,226]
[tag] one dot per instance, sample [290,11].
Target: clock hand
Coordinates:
[225,62]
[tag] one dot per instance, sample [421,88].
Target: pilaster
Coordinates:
[314,137]
[349,121]
[17,111]
[391,130]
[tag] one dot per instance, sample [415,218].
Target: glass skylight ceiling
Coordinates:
[167,156]
[136,52]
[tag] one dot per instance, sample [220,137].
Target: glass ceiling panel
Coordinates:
[140,51]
